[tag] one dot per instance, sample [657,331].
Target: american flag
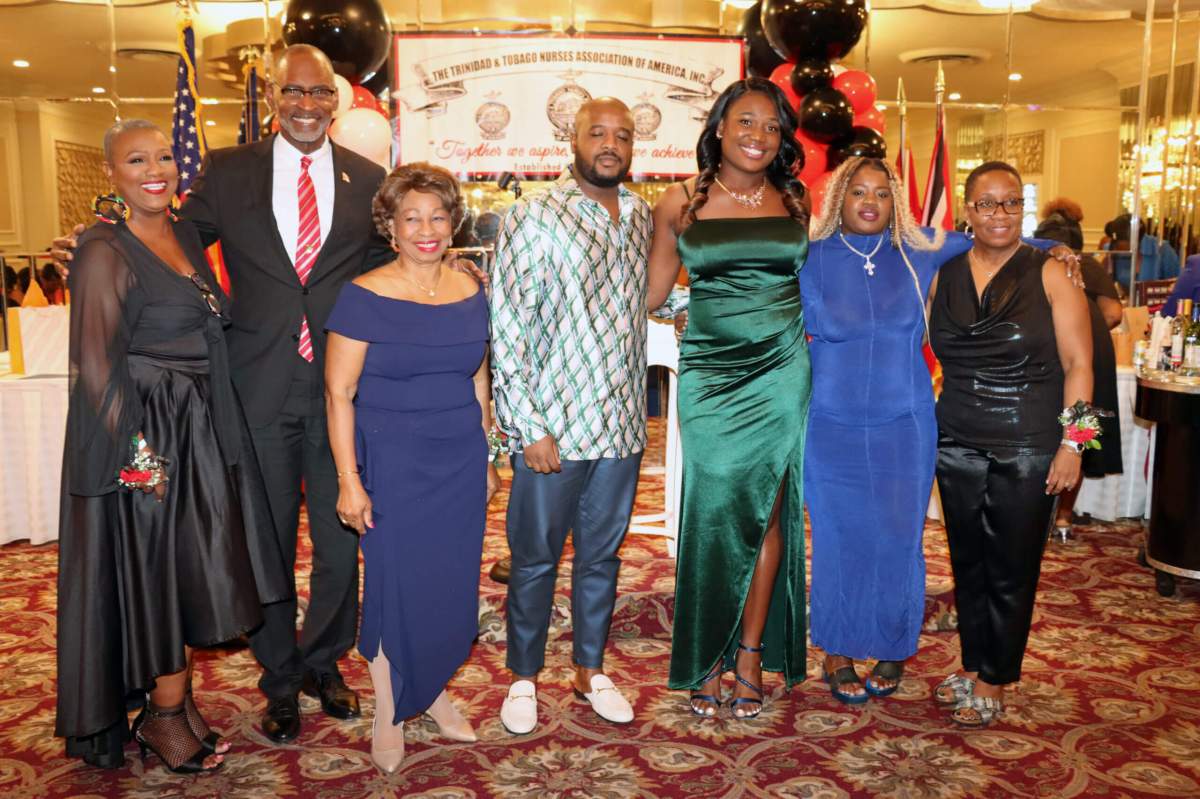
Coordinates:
[187,132]
[249,128]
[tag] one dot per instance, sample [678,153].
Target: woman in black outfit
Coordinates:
[1012,334]
[168,558]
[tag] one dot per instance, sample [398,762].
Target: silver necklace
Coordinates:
[868,264]
[752,200]
[977,262]
[432,292]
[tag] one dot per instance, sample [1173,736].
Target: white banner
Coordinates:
[483,105]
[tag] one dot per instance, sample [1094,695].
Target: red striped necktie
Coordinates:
[308,245]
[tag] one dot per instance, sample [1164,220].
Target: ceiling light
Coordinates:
[208,101]
[954,96]
[98,90]
[1014,76]
[21,63]
[112,69]
[210,123]
[880,107]
[742,4]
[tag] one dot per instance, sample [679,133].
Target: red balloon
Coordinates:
[872,118]
[815,159]
[364,99]
[859,88]
[782,77]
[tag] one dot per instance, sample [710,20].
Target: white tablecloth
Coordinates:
[33,424]
[1120,496]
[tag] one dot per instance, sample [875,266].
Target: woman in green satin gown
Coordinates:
[740,230]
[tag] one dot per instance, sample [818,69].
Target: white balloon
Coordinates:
[345,95]
[838,69]
[364,131]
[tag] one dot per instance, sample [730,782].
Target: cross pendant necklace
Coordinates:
[868,264]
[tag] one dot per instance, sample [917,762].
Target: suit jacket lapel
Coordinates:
[265,196]
[342,188]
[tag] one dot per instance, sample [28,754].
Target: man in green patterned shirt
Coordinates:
[569,379]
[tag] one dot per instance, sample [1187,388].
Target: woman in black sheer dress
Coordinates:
[169,558]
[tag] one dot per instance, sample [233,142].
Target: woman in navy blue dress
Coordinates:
[408,394]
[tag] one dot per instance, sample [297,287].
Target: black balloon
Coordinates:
[761,60]
[863,141]
[353,33]
[381,81]
[826,115]
[800,29]
[811,73]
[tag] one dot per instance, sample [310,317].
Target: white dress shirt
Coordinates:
[285,197]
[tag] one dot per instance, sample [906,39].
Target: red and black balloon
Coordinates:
[794,43]
[761,58]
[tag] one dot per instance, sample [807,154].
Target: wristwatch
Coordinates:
[1074,446]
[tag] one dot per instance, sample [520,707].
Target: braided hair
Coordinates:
[781,171]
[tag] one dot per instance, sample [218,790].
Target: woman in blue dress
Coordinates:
[872,433]
[408,392]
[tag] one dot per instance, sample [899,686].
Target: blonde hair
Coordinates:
[904,228]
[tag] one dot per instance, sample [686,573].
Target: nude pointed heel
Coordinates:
[386,760]
[450,721]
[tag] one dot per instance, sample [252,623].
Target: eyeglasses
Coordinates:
[206,292]
[988,206]
[322,94]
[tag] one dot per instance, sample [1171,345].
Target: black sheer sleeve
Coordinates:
[105,410]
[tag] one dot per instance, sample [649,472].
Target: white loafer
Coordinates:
[518,714]
[607,701]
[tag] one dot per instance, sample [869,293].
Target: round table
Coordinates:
[1173,543]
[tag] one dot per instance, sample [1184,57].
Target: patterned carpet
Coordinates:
[1109,705]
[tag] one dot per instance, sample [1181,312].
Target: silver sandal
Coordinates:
[977,712]
[953,690]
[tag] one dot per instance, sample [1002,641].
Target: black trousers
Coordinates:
[293,453]
[998,518]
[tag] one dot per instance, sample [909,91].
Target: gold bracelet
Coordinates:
[340,475]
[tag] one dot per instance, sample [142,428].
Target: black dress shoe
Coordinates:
[281,721]
[337,699]
[501,570]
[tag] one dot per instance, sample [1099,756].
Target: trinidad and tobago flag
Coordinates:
[938,209]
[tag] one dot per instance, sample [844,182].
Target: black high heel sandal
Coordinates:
[715,701]
[166,733]
[737,701]
[208,737]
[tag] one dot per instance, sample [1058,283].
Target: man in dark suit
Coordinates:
[248,198]
[293,216]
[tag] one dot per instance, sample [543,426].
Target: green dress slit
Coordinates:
[744,389]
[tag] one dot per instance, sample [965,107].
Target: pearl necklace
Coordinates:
[868,264]
[752,200]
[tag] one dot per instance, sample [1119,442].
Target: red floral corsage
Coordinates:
[145,470]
